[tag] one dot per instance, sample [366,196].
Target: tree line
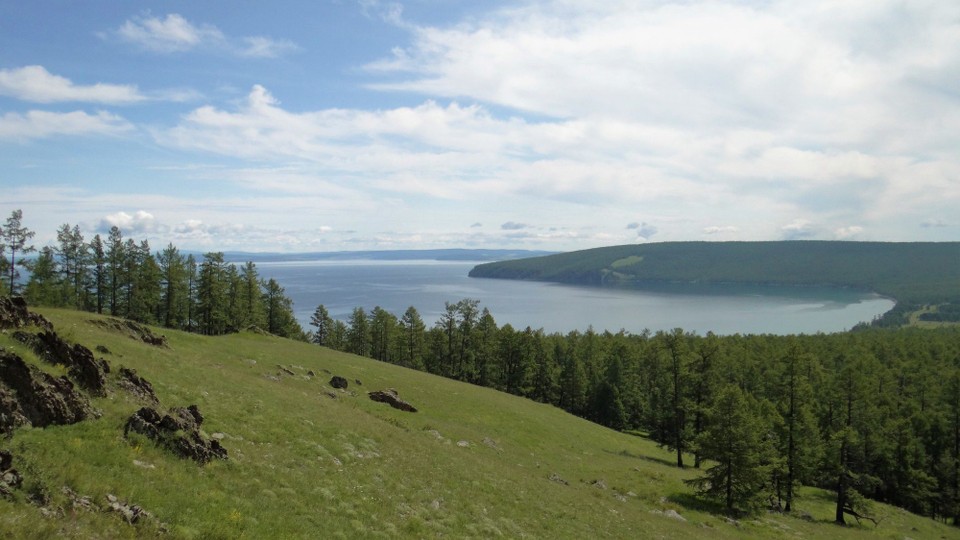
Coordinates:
[871,415]
[124,278]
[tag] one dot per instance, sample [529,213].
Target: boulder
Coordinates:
[137,385]
[178,431]
[392,398]
[26,393]
[339,382]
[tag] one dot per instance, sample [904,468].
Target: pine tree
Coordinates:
[734,439]
[323,323]
[412,332]
[358,333]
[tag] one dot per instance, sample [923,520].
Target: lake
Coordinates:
[342,286]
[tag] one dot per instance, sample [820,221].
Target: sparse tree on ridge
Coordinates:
[15,238]
[323,323]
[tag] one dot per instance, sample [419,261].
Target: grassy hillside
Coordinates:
[920,272]
[472,462]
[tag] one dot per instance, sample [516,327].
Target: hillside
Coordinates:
[920,272]
[307,461]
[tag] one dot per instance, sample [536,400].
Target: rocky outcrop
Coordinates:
[81,365]
[137,385]
[338,382]
[14,314]
[392,398]
[178,431]
[30,396]
[132,330]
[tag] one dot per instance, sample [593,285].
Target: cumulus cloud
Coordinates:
[798,229]
[140,222]
[45,124]
[36,84]
[174,34]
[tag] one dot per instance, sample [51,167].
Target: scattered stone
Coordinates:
[463,444]
[132,330]
[144,464]
[137,385]
[671,513]
[732,521]
[218,436]
[285,370]
[330,394]
[311,373]
[619,497]
[271,377]
[599,484]
[251,362]
[338,382]
[805,516]
[492,444]
[435,504]
[28,396]
[10,479]
[554,477]
[102,349]
[392,398]
[178,431]
[132,513]
[358,382]
[78,502]
[631,494]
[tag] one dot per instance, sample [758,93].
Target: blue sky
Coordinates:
[543,124]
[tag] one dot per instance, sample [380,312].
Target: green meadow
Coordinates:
[308,461]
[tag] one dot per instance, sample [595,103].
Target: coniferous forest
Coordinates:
[124,278]
[873,415]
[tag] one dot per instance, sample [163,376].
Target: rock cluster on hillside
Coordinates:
[133,330]
[81,365]
[28,396]
[179,431]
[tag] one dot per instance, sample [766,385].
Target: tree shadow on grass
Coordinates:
[654,459]
[699,504]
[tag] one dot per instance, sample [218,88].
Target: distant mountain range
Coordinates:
[476,255]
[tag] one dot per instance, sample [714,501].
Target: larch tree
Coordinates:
[15,240]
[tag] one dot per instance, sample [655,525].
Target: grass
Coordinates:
[472,463]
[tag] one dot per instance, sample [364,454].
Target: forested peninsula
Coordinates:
[915,274]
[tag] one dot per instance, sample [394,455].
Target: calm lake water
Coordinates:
[395,285]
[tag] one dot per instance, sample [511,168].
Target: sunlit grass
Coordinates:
[472,463]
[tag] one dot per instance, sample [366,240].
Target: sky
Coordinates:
[332,125]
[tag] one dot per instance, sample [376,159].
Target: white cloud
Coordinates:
[725,229]
[798,229]
[140,222]
[44,124]
[263,47]
[36,84]
[513,226]
[174,34]
[171,34]
[847,233]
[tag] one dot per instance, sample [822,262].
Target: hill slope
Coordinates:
[472,462]
[915,272]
